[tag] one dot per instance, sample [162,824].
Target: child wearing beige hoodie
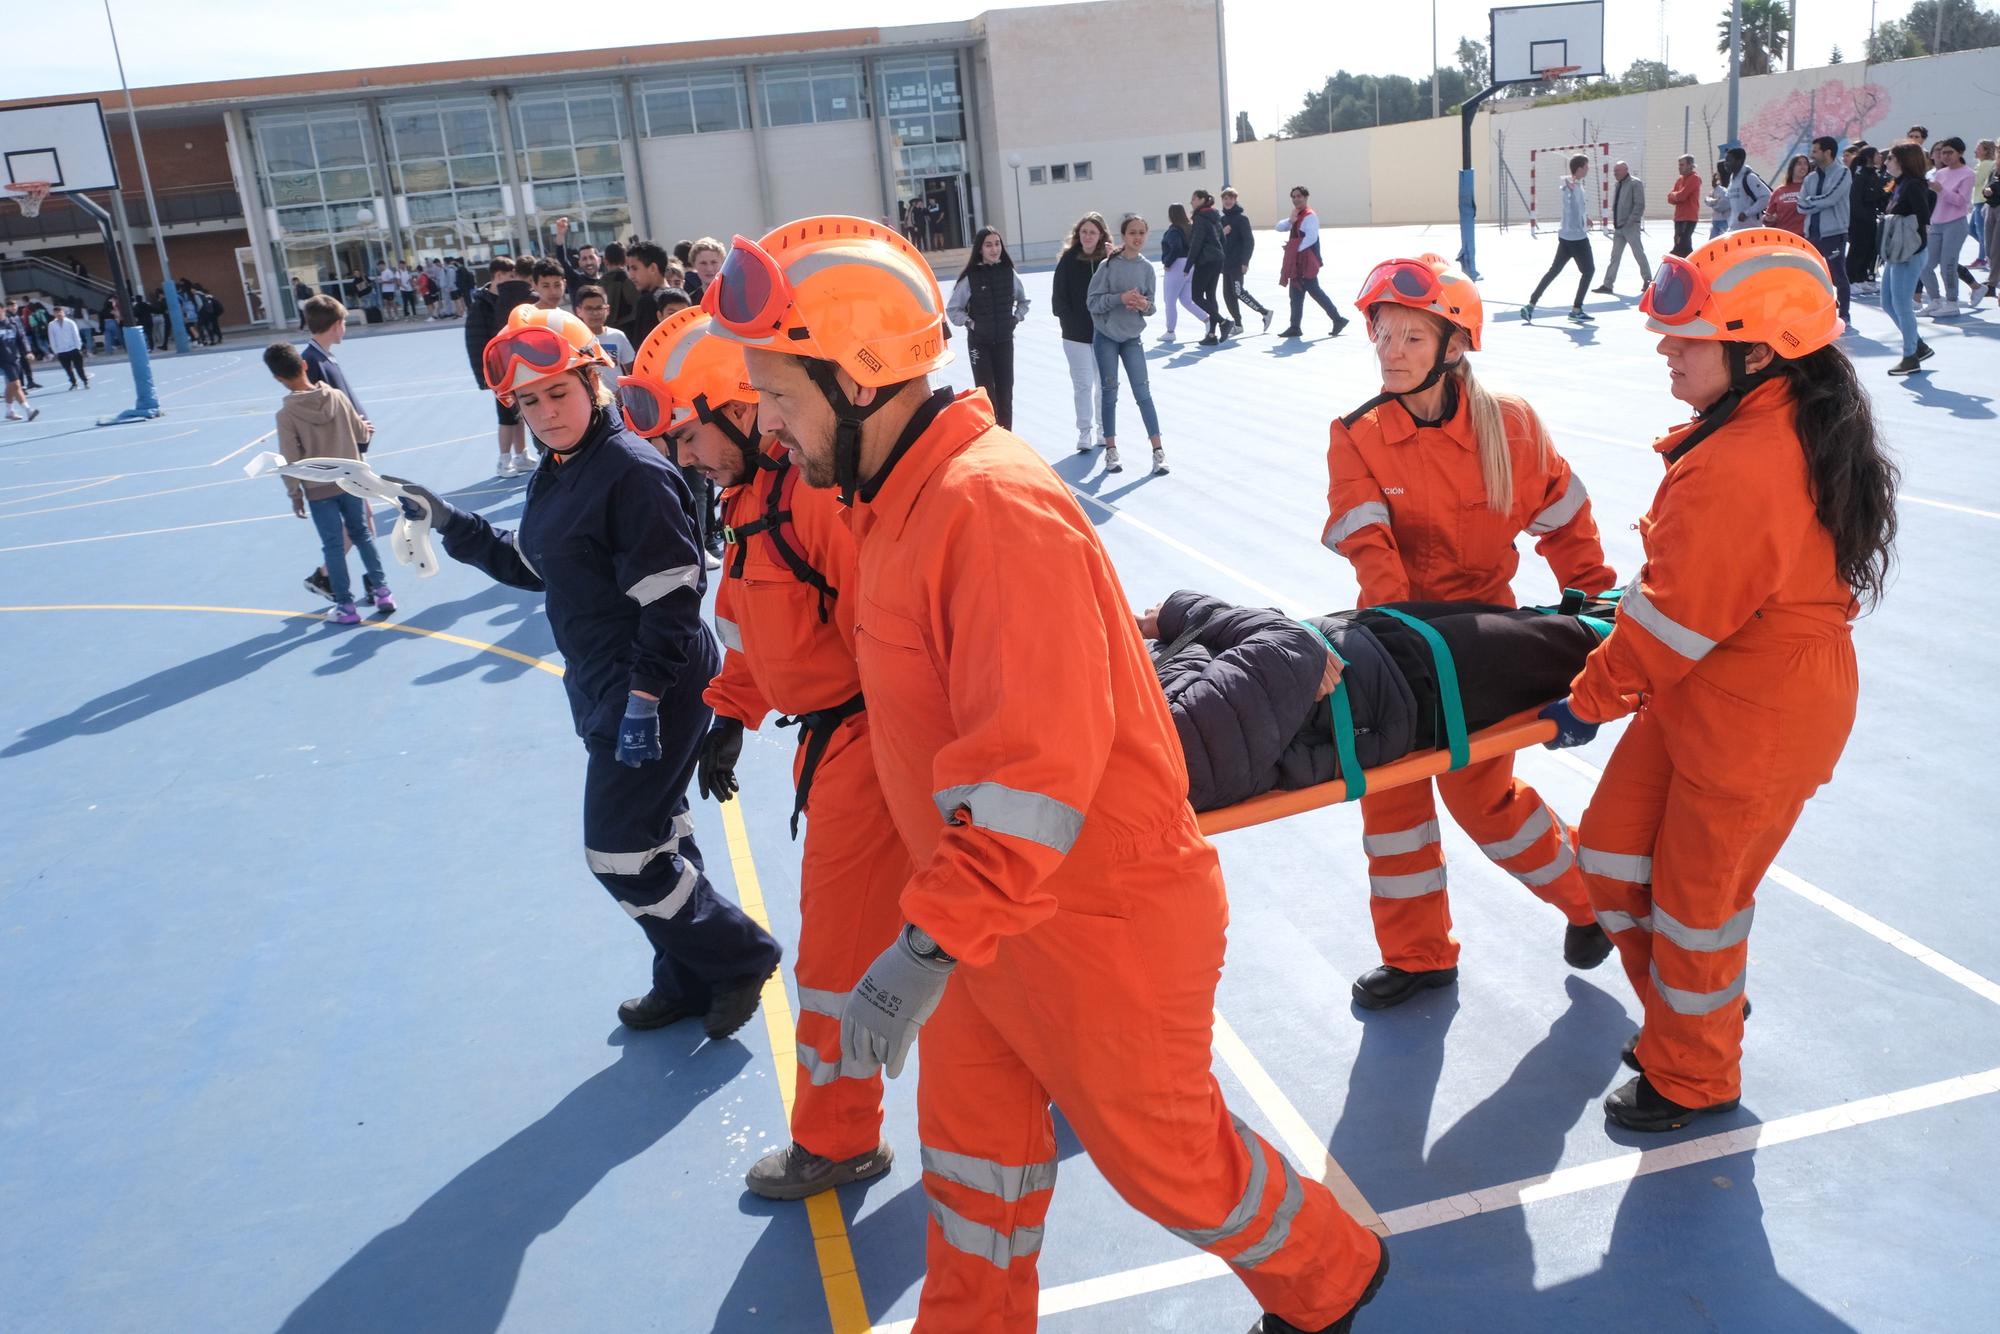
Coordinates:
[316,421]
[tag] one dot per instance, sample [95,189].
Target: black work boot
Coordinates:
[1630,1055]
[655,1009]
[1272,1324]
[1585,946]
[795,1172]
[1386,985]
[731,1004]
[1637,1105]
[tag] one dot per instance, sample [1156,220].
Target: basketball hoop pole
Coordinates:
[175,319]
[1468,194]
[146,405]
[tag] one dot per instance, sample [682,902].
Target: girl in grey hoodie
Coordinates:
[1120,298]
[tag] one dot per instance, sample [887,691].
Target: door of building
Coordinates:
[254,308]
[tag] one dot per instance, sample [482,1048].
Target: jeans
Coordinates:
[1083,383]
[1833,249]
[1586,265]
[1301,289]
[1110,351]
[1979,215]
[1947,239]
[1899,290]
[1717,227]
[993,371]
[1684,238]
[331,516]
[1177,298]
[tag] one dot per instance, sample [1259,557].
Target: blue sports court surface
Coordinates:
[308,997]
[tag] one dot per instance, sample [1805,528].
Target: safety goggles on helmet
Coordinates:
[1678,292]
[750,294]
[649,410]
[1407,279]
[541,350]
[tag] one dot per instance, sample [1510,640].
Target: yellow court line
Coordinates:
[846,1309]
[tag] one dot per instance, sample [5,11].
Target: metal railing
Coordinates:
[184,206]
[57,282]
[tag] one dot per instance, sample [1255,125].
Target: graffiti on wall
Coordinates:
[1788,125]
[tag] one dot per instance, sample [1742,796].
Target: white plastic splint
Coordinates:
[409,540]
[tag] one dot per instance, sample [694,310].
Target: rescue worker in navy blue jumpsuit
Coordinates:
[609,532]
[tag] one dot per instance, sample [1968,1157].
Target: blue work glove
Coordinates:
[879,1023]
[639,733]
[422,505]
[1570,729]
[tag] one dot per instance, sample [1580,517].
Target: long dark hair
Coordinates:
[1177,216]
[1853,480]
[979,244]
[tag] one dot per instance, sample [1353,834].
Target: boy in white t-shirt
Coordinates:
[593,307]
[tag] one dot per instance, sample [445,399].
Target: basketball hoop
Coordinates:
[1554,72]
[30,195]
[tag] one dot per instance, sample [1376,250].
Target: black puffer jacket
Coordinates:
[1205,246]
[486,314]
[1243,686]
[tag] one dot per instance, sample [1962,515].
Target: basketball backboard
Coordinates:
[1528,40]
[63,143]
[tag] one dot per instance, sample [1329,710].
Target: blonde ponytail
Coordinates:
[1496,450]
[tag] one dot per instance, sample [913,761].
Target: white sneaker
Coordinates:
[1979,293]
[1944,310]
[1085,443]
[13,416]
[1159,460]
[1111,463]
[505,467]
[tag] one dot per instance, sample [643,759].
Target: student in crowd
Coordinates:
[1782,209]
[1175,239]
[1206,254]
[1431,484]
[987,302]
[704,261]
[1748,194]
[1951,210]
[326,322]
[618,289]
[647,265]
[594,309]
[14,366]
[1825,200]
[491,305]
[1732,651]
[608,534]
[66,342]
[1717,200]
[316,421]
[1239,242]
[1983,155]
[1572,241]
[1685,196]
[1910,197]
[550,282]
[1866,198]
[1088,245]
[1299,270]
[1120,298]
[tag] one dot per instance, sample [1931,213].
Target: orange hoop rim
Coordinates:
[30,195]
[1554,72]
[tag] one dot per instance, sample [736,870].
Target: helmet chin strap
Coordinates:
[1741,381]
[848,419]
[752,450]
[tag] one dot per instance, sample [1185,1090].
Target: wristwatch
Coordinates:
[924,947]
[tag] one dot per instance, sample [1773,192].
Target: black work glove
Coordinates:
[715,767]
[422,505]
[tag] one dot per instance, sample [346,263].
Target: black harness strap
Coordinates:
[772,525]
[816,731]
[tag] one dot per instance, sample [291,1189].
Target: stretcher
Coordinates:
[1516,733]
[409,540]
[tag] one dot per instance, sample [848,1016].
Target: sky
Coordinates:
[1270,67]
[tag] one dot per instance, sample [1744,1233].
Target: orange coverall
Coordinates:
[1733,646]
[1407,506]
[1033,769]
[779,654]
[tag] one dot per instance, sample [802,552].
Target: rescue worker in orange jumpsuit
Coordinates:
[1065,915]
[784,611]
[1432,481]
[1732,652]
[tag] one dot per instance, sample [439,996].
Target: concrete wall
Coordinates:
[1408,173]
[821,169]
[702,185]
[1085,84]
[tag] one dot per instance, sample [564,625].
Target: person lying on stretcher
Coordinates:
[1251,689]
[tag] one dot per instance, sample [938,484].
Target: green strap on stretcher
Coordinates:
[1351,771]
[1447,679]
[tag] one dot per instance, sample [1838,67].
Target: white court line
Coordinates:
[1305,1146]
[1946,505]
[1190,552]
[67,490]
[59,455]
[241,448]
[1623,1168]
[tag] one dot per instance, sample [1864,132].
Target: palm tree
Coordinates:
[1766,30]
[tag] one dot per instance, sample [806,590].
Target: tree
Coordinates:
[1766,30]
[1938,26]
[1649,76]
[1836,58]
[1244,134]
[1893,40]
[1472,63]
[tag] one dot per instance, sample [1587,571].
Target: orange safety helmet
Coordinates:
[1425,283]
[836,289]
[683,370]
[1760,285]
[539,345]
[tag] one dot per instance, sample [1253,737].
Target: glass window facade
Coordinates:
[813,94]
[319,174]
[923,99]
[445,162]
[694,104]
[568,140]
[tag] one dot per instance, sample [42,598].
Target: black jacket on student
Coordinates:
[1240,241]
[486,315]
[1066,296]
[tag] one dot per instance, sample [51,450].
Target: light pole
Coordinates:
[167,293]
[1020,218]
[1435,111]
[1735,65]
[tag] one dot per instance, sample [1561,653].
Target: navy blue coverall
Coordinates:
[609,534]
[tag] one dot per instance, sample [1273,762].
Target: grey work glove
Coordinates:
[891,1001]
